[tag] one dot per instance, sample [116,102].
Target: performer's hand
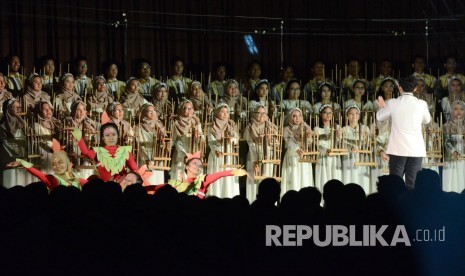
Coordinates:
[300,152]
[384,156]
[22,162]
[13,164]
[381,102]
[455,155]
[218,154]
[77,133]
[239,172]
[354,149]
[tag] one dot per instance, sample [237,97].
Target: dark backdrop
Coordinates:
[204,32]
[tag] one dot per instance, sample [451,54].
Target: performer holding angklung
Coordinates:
[259,135]
[150,140]
[187,136]
[298,136]
[223,140]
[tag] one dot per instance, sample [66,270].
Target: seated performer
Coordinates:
[131,99]
[100,99]
[34,93]
[61,166]
[162,105]
[112,159]
[66,96]
[115,112]
[194,182]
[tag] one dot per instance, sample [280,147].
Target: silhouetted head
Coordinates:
[269,190]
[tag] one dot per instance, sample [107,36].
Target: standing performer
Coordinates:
[150,134]
[15,81]
[454,131]
[187,136]
[131,99]
[236,102]
[326,90]
[357,93]
[163,107]
[455,88]
[257,134]
[356,134]
[115,86]
[83,84]
[126,133]
[292,100]
[100,99]
[223,140]
[406,148]
[49,80]
[13,139]
[297,136]
[328,167]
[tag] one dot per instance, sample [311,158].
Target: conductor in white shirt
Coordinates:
[406,147]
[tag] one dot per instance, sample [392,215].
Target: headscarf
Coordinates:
[150,125]
[52,124]
[163,106]
[231,100]
[67,95]
[11,122]
[35,96]
[460,95]
[100,97]
[455,125]
[295,130]
[63,156]
[219,126]
[111,107]
[88,123]
[257,129]
[132,100]
[183,125]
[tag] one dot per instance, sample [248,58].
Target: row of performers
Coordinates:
[132,100]
[178,84]
[292,95]
[312,156]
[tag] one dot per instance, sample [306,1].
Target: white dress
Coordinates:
[295,174]
[226,187]
[328,167]
[181,148]
[257,151]
[16,176]
[350,172]
[145,141]
[382,140]
[454,172]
